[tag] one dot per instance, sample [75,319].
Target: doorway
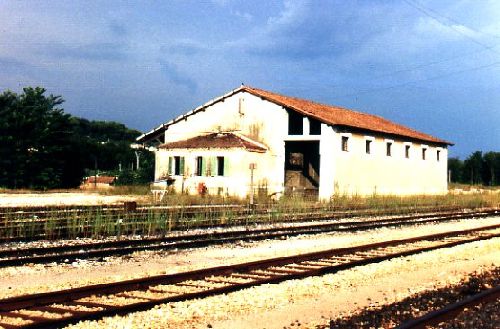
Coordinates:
[302,167]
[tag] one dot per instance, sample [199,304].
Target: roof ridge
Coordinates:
[360,119]
[311,101]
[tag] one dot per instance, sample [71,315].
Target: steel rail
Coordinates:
[257,272]
[451,311]
[16,257]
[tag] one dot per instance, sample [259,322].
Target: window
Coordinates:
[388,148]
[314,127]
[295,123]
[368,146]
[407,151]
[176,165]
[296,160]
[220,166]
[438,155]
[424,150]
[199,166]
[345,141]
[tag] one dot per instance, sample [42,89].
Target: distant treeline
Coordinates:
[41,147]
[477,169]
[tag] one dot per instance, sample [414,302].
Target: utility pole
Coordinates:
[252,167]
[136,148]
[137,155]
[95,172]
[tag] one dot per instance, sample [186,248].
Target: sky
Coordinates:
[430,65]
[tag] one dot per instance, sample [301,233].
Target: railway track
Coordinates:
[59,308]
[22,224]
[27,224]
[451,311]
[65,253]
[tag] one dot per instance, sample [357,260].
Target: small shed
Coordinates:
[98,182]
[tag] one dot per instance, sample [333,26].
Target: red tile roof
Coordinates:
[214,141]
[332,115]
[100,180]
[335,115]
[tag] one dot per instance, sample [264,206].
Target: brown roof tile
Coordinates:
[332,115]
[215,141]
[100,180]
[340,116]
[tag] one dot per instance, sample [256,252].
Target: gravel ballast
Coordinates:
[315,300]
[48,277]
[387,316]
[309,302]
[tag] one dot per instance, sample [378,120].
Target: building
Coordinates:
[281,144]
[98,182]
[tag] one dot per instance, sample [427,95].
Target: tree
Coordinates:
[35,139]
[41,147]
[456,167]
[491,168]
[473,168]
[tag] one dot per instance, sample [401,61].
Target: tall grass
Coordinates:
[176,213]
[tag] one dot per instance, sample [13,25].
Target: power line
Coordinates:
[451,19]
[477,68]
[428,13]
[423,65]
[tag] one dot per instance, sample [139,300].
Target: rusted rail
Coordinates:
[16,257]
[59,308]
[451,311]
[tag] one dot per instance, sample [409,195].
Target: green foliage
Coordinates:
[34,141]
[477,169]
[41,147]
[456,168]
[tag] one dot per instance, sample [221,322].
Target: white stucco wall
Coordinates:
[257,119]
[235,182]
[356,172]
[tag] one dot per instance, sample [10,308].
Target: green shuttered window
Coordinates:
[176,165]
[211,166]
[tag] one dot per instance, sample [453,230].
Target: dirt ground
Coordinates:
[63,199]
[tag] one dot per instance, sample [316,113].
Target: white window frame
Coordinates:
[410,144]
[441,151]
[426,148]
[386,141]
[372,144]
[349,138]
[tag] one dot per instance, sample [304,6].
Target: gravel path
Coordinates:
[64,199]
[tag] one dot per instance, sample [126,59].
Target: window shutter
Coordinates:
[213,166]
[226,166]
[181,166]
[203,166]
[170,166]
